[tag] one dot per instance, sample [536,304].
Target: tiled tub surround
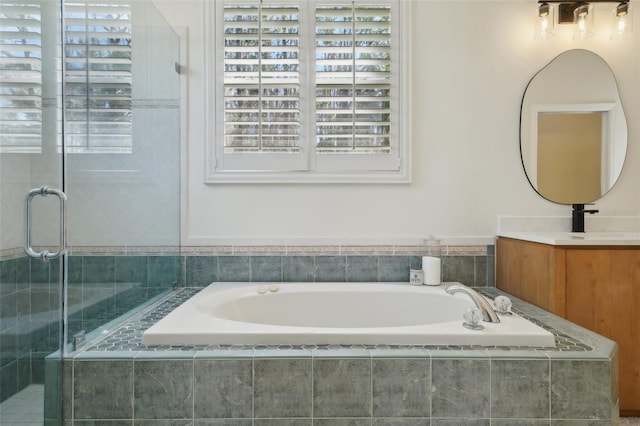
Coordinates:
[342,385]
[103,272]
[101,288]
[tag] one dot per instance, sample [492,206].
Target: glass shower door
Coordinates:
[32,262]
[89,105]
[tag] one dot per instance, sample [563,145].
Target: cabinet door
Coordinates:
[603,295]
[533,272]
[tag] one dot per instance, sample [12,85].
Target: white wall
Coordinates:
[472,61]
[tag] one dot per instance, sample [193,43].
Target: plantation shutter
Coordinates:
[21,78]
[353,79]
[309,86]
[262,84]
[98,77]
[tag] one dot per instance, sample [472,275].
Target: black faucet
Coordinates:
[577,217]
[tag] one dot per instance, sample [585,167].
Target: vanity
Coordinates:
[592,280]
[573,143]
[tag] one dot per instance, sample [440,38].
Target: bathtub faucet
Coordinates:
[488,314]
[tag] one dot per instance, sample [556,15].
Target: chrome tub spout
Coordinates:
[488,313]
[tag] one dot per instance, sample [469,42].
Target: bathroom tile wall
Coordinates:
[101,288]
[24,288]
[473,265]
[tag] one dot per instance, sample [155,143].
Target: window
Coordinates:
[308,91]
[21,77]
[98,77]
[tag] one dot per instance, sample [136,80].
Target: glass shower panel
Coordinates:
[118,163]
[122,116]
[30,137]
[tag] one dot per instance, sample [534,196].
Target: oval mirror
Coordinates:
[573,132]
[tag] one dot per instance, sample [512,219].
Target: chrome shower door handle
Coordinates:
[46,255]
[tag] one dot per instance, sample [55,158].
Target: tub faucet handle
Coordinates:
[472,317]
[503,305]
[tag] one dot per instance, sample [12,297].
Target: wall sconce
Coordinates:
[580,14]
[623,22]
[545,22]
[583,20]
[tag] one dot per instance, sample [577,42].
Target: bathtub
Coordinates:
[334,313]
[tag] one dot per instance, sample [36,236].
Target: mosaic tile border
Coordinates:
[273,250]
[336,250]
[128,336]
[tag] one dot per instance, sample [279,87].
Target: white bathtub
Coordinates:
[334,313]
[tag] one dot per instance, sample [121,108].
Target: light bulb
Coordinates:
[544,21]
[622,21]
[583,16]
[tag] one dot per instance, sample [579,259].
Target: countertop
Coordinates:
[576,238]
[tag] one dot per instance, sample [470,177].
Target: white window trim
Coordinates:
[214,166]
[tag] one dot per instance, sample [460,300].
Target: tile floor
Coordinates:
[26,408]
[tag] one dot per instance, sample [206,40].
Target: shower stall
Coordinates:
[89,179]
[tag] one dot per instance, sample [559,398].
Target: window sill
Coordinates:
[232,177]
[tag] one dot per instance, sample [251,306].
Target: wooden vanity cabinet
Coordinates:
[597,287]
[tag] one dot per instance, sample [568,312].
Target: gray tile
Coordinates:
[162,423]
[581,423]
[393,268]
[103,423]
[233,268]
[75,270]
[201,270]
[266,268]
[491,271]
[282,388]
[298,269]
[23,273]
[8,380]
[163,389]
[162,271]
[362,268]
[342,388]
[401,422]
[102,389]
[341,422]
[223,422]
[282,422]
[131,269]
[401,387]
[519,422]
[223,388]
[9,309]
[415,262]
[98,269]
[460,388]
[8,283]
[520,388]
[480,271]
[53,388]
[330,269]
[39,271]
[459,268]
[585,378]
[460,422]
[67,389]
